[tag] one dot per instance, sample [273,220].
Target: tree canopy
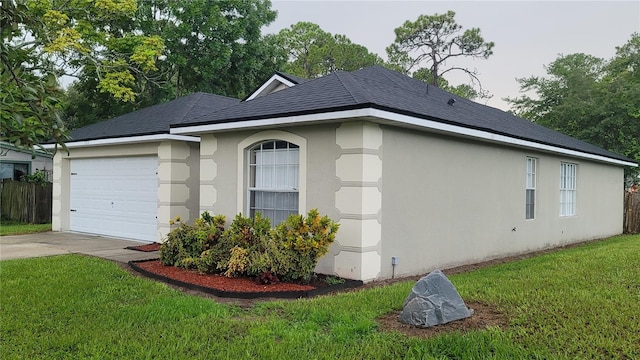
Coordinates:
[592,99]
[311,52]
[209,46]
[42,40]
[426,47]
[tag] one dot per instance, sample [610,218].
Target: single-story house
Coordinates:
[418,178]
[16,162]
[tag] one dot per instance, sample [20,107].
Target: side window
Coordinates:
[568,189]
[273,184]
[530,189]
[13,171]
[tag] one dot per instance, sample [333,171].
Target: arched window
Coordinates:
[273,186]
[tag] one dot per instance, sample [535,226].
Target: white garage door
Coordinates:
[115,197]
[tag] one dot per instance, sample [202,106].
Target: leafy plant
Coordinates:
[238,262]
[332,280]
[185,244]
[309,237]
[250,247]
[267,278]
[39,177]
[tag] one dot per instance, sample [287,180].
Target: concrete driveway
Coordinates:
[56,243]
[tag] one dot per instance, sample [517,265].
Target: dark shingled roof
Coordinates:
[384,89]
[154,119]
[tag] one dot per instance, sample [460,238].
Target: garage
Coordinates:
[116,196]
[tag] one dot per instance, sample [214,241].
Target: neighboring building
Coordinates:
[409,171]
[16,162]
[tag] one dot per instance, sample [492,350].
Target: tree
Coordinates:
[42,40]
[463,90]
[311,52]
[590,99]
[210,46]
[433,40]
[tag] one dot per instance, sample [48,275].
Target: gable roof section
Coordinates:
[392,94]
[278,81]
[154,119]
[294,79]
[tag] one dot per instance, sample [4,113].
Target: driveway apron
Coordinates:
[57,243]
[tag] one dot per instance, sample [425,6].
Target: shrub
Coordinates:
[309,238]
[244,233]
[250,247]
[238,262]
[184,245]
[267,278]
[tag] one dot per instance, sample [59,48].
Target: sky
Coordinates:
[527,34]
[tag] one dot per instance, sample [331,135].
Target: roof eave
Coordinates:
[126,140]
[392,118]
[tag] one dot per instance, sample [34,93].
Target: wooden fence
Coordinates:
[26,202]
[632,213]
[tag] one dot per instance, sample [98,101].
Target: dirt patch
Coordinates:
[146,247]
[483,316]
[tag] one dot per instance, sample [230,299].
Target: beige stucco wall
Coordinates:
[221,182]
[178,179]
[430,200]
[450,201]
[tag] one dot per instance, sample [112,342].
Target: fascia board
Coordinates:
[126,140]
[272,79]
[396,119]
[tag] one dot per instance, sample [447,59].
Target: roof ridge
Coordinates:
[195,101]
[361,90]
[380,68]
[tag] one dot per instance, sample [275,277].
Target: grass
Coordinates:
[9,227]
[583,302]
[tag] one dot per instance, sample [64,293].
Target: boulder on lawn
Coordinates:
[433,301]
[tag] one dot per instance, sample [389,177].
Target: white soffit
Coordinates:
[389,117]
[269,85]
[126,140]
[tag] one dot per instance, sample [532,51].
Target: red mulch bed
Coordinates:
[220,282]
[146,248]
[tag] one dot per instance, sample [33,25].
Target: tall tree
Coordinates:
[590,99]
[433,40]
[463,90]
[41,40]
[212,46]
[311,52]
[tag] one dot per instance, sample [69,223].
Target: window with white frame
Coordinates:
[530,189]
[274,167]
[568,189]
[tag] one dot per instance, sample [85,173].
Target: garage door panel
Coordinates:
[115,196]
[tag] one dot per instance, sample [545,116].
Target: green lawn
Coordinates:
[582,302]
[8,227]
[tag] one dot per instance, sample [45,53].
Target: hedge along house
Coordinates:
[128,176]
[417,178]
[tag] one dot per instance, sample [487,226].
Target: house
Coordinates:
[16,162]
[418,178]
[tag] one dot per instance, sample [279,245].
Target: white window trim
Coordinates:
[573,189]
[533,186]
[243,175]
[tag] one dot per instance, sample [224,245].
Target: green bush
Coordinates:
[184,245]
[244,233]
[309,238]
[238,262]
[250,247]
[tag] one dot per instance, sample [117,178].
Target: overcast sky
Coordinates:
[527,34]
